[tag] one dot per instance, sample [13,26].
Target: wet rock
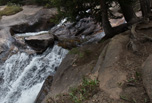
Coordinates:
[82,30]
[40,42]
[6,43]
[44,90]
[85,30]
[147,76]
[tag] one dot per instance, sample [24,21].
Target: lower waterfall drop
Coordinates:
[22,75]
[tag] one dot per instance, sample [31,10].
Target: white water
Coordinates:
[22,75]
[31,33]
[62,22]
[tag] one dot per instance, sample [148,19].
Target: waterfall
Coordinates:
[22,75]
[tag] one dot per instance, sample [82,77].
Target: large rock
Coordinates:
[147,76]
[40,42]
[37,22]
[6,43]
[19,18]
[71,72]
[108,70]
[31,19]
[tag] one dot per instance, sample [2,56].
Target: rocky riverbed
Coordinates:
[30,19]
[122,74]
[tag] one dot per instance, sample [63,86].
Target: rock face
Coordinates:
[68,73]
[147,76]
[32,18]
[37,22]
[62,81]
[108,69]
[40,42]
[6,43]
[105,68]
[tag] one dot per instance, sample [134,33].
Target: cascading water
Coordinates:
[22,75]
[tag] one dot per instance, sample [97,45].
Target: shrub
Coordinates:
[4,2]
[10,9]
[39,2]
[87,89]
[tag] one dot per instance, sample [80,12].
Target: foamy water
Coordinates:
[31,33]
[22,75]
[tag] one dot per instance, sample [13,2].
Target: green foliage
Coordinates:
[134,100]
[124,98]
[74,10]
[10,9]
[74,51]
[56,18]
[138,75]
[4,2]
[42,2]
[132,80]
[80,53]
[39,2]
[87,89]
[128,1]
[145,100]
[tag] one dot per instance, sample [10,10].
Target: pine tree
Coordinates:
[74,10]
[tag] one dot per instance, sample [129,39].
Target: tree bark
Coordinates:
[145,7]
[127,11]
[109,31]
[150,4]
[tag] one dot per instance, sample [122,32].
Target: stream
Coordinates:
[22,75]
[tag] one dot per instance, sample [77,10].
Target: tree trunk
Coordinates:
[150,4]
[108,29]
[109,32]
[127,11]
[145,7]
